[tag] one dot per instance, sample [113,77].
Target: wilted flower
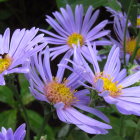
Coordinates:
[74,29]
[62,94]
[112,83]
[15,52]
[8,134]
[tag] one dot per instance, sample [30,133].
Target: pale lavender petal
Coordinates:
[87,120]
[94,59]
[131,92]
[94,111]
[92,130]
[99,85]
[60,71]
[96,29]
[131,79]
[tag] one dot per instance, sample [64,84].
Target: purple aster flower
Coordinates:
[8,134]
[75,29]
[14,53]
[119,29]
[112,83]
[61,93]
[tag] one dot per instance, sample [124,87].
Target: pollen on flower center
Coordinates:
[59,92]
[75,38]
[138,21]
[109,85]
[130,47]
[5,62]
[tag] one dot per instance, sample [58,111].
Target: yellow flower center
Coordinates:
[109,85]
[130,47]
[59,92]
[138,21]
[75,38]
[5,62]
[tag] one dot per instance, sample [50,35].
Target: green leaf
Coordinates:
[35,123]
[137,131]
[114,5]
[78,135]
[3,0]
[130,123]
[8,119]
[133,11]
[6,96]
[110,136]
[86,3]
[25,93]
[64,130]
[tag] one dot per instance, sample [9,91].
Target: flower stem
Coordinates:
[122,126]
[125,30]
[43,123]
[18,97]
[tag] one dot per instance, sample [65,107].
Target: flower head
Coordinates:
[15,53]
[74,29]
[119,29]
[8,134]
[112,83]
[62,94]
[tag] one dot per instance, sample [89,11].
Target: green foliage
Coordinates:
[64,131]
[3,0]
[95,3]
[77,135]
[8,118]
[110,136]
[25,93]
[6,96]
[133,11]
[36,120]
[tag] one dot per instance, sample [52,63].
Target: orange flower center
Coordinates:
[59,92]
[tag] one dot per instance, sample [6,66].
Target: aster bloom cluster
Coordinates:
[62,93]
[79,74]
[119,25]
